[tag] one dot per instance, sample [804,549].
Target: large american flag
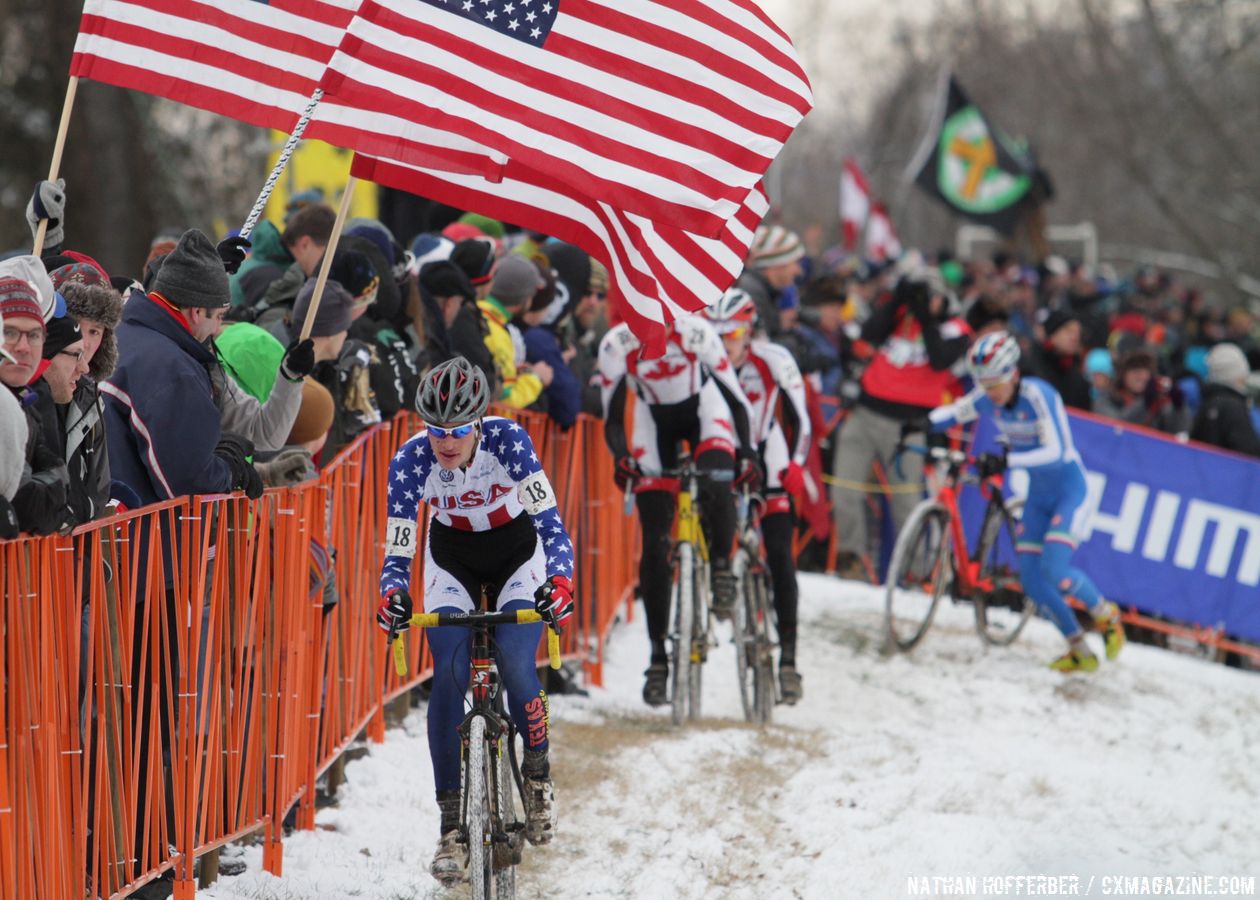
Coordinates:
[260,62]
[671,110]
[657,271]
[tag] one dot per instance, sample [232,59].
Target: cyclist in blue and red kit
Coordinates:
[495,528]
[1031,417]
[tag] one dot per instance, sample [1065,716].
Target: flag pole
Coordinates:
[326,265]
[289,146]
[58,148]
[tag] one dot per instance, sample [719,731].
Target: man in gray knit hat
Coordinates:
[161,420]
[1224,419]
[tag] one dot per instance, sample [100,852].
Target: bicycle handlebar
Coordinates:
[478,617]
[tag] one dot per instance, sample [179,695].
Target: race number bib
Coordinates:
[535,493]
[401,537]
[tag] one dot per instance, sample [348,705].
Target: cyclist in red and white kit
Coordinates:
[690,393]
[768,374]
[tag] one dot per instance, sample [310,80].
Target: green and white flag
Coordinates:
[971,166]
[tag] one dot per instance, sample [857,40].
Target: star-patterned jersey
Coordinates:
[1034,423]
[503,480]
[768,371]
[693,349]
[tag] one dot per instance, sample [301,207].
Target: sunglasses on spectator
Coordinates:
[459,431]
[34,337]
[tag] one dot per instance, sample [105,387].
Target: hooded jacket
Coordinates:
[269,258]
[161,421]
[1223,421]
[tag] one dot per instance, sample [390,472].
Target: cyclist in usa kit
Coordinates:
[1031,417]
[767,372]
[495,528]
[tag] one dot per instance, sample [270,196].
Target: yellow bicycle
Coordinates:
[690,633]
[490,824]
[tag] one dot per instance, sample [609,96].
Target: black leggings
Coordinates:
[656,518]
[776,530]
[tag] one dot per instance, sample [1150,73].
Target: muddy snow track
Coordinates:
[955,760]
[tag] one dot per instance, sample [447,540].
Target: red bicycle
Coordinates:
[932,555]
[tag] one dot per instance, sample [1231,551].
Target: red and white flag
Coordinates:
[256,62]
[882,242]
[672,110]
[855,202]
[657,271]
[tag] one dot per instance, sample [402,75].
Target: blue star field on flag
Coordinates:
[525,20]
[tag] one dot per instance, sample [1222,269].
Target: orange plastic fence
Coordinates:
[172,683]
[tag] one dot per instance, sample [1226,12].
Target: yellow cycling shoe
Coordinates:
[1076,660]
[1112,628]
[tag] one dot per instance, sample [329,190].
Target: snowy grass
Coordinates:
[955,759]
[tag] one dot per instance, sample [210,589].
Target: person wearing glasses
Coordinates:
[494,525]
[40,499]
[768,374]
[688,394]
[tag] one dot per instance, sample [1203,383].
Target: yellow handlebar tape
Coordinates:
[430,620]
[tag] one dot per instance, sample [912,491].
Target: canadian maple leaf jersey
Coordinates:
[503,480]
[692,349]
[768,372]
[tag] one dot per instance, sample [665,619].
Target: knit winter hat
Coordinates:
[492,228]
[192,275]
[76,273]
[1227,364]
[62,331]
[315,415]
[18,299]
[476,257]
[1055,320]
[516,281]
[251,355]
[333,315]
[31,270]
[101,304]
[445,279]
[376,232]
[774,245]
[599,278]
[427,248]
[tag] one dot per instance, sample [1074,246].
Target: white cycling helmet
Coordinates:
[994,359]
[736,309]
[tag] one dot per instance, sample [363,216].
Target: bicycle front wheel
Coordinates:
[507,850]
[918,575]
[680,634]
[699,638]
[477,819]
[1002,608]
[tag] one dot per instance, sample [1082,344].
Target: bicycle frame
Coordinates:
[687,527]
[966,566]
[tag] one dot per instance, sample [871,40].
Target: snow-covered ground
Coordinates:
[955,760]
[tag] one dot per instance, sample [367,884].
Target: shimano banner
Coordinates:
[1177,527]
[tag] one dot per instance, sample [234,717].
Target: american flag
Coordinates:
[256,62]
[657,271]
[668,110]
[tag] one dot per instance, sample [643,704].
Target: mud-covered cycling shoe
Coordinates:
[540,809]
[1108,622]
[450,862]
[790,687]
[656,684]
[725,589]
[1077,659]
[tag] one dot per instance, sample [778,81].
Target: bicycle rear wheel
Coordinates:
[1002,608]
[765,694]
[918,575]
[745,638]
[477,818]
[680,634]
